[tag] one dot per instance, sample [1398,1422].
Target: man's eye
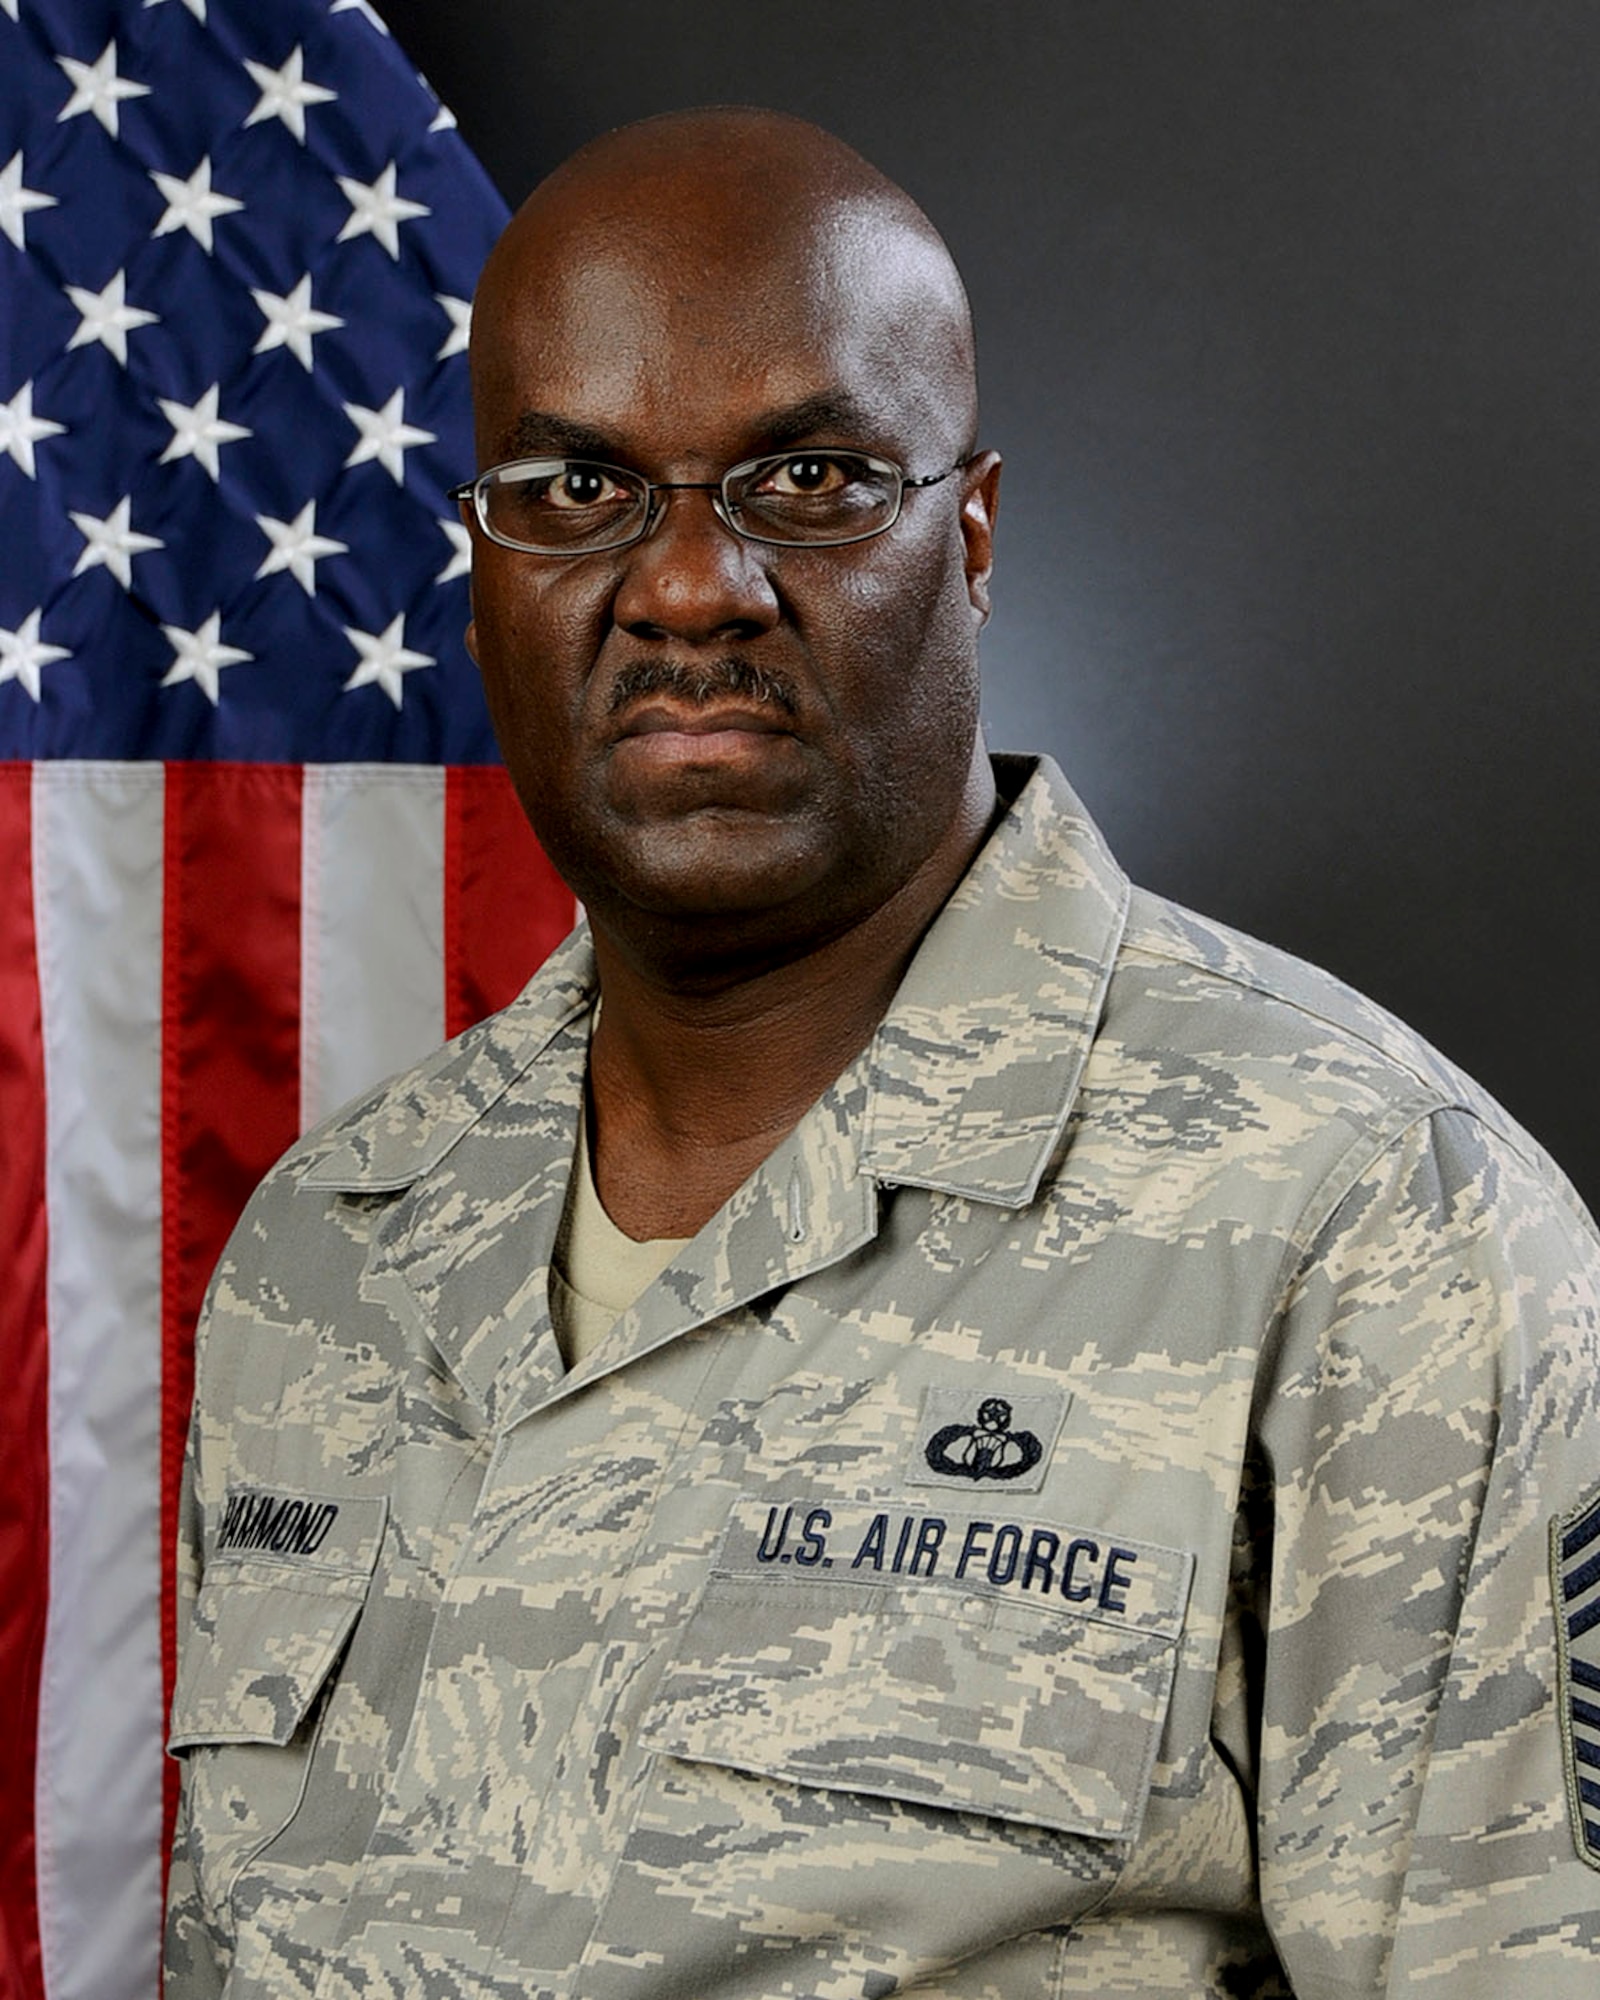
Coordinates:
[579,486]
[809,473]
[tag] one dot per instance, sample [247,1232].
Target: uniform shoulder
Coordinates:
[1225,991]
[1272,1047]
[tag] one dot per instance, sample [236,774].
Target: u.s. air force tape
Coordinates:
[1009,1554]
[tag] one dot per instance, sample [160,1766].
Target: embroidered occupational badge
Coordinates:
[1575,1585]
[969,1441]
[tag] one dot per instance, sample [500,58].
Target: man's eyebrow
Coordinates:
[832,413]
[540,434]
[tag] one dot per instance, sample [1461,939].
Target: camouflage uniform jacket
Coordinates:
[1077,1521]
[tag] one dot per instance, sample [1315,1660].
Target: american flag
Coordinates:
[254,850]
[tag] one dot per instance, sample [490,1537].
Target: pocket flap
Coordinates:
[278,1601]
[1016,1669]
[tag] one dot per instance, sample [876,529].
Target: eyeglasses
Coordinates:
[576,507]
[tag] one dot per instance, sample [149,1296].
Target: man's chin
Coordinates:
[733,873]
[711,872]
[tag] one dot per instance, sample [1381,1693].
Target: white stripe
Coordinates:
[97,832]
[372,927]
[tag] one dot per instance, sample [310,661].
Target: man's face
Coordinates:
[702,727]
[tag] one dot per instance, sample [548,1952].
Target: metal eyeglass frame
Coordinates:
[724,506]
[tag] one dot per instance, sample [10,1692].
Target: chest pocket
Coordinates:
[870,1772]
[269,1628]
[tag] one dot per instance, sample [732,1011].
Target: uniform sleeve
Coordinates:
[1432,1406]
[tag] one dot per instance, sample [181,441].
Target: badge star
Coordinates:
[201,656]
[460,312]
[376,210]
[385,661]
[285,93]
[21,430]
[291,321]
[359,7]
[23,653]
[385,436]
[192,204]
[112,542]
[97,88]
[297,547]
[460,563]
[197,431]
[107,317]
[16,201]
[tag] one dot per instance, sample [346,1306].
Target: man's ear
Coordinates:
[980,507]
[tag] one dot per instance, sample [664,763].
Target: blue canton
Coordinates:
[237,245]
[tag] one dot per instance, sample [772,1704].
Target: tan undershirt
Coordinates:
[597,1271]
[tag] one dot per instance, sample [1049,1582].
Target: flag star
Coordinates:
[291,321]
[96,87]
[285,93]
[444,120]
[196,7]
[23,653]
[21,430]
[376,210]
[107,317]
[297,547]
[385,436]
[359,7]
[16,201]
[460,563]
[197,430]
[10,7]
[460,312]
[192,204]
[385,660]
[112,542]
[201,656]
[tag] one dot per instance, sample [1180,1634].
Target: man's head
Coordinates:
[712,733]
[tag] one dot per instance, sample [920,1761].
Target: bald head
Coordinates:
[735,229]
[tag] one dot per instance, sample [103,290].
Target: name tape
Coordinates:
[262,1522]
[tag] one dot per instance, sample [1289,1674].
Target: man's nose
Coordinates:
[693,579]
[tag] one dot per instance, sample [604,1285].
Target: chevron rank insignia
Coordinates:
[1575,1578]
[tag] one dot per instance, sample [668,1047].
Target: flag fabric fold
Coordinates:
[255,849]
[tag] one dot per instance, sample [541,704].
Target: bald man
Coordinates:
[967,1431]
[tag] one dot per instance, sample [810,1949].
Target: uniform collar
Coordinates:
[965,1089]
[974,1069]
[404,1128]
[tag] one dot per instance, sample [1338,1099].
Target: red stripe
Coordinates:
[505,907]
[230,1058]
[24,1409]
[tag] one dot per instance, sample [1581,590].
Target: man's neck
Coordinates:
[691,1088]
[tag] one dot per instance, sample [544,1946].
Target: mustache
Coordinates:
[701,683]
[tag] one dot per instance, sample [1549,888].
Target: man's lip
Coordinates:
[653,718]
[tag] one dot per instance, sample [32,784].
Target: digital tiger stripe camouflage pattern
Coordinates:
[732,1664]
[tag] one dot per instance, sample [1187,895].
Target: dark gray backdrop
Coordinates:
[1287,320]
